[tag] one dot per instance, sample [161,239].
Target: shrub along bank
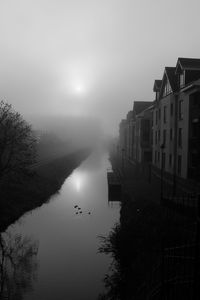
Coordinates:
[24,194]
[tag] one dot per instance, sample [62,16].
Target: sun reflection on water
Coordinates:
[78,180]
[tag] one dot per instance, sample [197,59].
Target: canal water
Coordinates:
[66,230]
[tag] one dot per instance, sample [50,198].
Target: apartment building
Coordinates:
[188,135]
[167,130]
[164,120]
[176,119]
[135,133]
[142,148]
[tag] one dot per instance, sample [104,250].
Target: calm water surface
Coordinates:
[68,265]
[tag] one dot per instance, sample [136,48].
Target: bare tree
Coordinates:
[18,265]
[17,143]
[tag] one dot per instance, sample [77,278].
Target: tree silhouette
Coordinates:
[17,143]
[17,265]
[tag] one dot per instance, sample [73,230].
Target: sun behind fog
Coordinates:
[79,89]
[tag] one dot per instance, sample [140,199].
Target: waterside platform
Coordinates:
[114,187]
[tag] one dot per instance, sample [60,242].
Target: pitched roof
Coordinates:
[139,106]
[188,63]
[129,115]
[169,73]
[157,85]
[172,77]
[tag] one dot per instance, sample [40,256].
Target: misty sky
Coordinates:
[88,57]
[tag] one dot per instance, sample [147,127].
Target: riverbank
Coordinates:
[146,228]
[28,193]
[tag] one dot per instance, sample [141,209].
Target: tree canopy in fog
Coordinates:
[17,143]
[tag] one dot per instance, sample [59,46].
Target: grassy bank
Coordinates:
[25,194]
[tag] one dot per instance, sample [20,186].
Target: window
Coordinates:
[159,114]
[171,134]
[156,137]
[180,137]
[145,130]
[155,157]
[195,128]
[156,117]
[180,109]
[182,80]
[171,109]
[167,89]
[164,136]
[179,164]
[165,114]
[163,161]
[159,136]
[170,160]
[158,156]
[195,99]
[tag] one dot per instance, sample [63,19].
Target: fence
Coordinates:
[176,275]
[187,205]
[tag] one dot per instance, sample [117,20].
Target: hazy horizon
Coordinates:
[90,58]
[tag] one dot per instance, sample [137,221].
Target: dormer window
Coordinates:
[167,89]
[182,79]
[156,88]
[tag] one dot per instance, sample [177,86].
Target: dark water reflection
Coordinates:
[70,266]
[18,265]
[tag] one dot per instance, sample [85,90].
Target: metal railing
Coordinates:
[176,274]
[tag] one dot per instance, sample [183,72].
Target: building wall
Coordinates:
[194,135]
[164,133]
[143,137]
[122,135]
[131,139]
[179,157]
[183,124]
[174,126]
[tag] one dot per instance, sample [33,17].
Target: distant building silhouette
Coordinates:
[143,134]
[135,132]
